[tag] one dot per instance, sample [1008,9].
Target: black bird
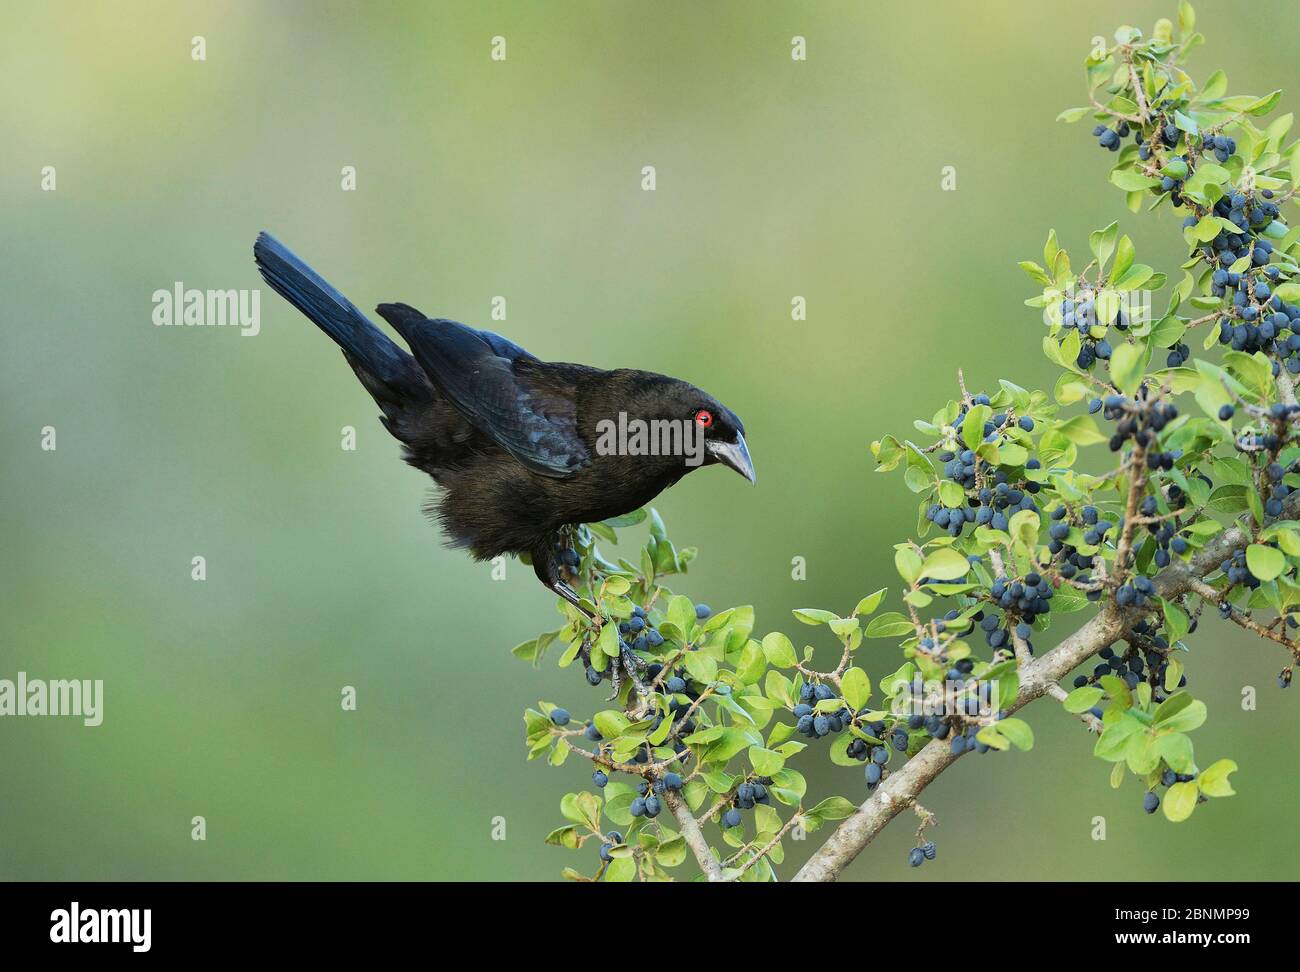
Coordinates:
[519,446]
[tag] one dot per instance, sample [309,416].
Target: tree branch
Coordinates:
[694,836]
[1036,679]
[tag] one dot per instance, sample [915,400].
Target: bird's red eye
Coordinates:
[703,419]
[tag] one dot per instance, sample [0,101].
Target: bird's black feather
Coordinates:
[530,412]
[511,440]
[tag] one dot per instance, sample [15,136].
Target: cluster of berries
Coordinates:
[1079,312]
[1238,573]
[638,633]
[748,795]
[649,799]
[1144,658]
[1165,531]
[1111,138]
[1067,558]
[1278,490]
[815,720]
[919,855]
[992,506]
[1257,319]
[1025,598]
[967,742]
[1142,421]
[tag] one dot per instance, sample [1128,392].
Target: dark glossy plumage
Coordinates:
[512,440]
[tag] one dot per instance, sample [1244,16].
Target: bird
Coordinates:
[522,450]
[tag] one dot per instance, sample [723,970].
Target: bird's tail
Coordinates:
[367,348]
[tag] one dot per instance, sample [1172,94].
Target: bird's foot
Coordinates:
[635,668]
[570,595]
[616,679]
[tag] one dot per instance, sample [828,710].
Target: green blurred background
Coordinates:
[521,178]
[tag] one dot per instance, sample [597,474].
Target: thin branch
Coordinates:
[1215,596]
[694,836]
[767,849]
[1286,386]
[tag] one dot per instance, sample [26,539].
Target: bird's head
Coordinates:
[681,421]
[723,435]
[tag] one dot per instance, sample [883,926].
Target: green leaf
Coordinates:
[839,751]
[1071,115]
[814,616]
[681,612]
[611,723]
[582,808]
[972,429]
[908,563]
[1264,105]
[1175,748]
[990,737]
[1265,562]
[1081,430]
[833,808]
[1173,675]
[945,564]
[1213,781]
[779,650]
[608,640]
[671,853]
[752,663]
[856,687]
[1130,180]
[1024,527]
[1018,731]
[1082,699]
[621,869]
[765,761]
[627,519]
[1179,801]
[869,603]
[1102,243]
[1114,739]
[1176,622]
[1133,278]
[564,837]
[1116,776]
[702,667]
[891,624]
[1126,367]
[1184,716]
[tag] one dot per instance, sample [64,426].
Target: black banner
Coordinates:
[337,920]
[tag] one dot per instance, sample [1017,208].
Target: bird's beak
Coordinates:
[735,455]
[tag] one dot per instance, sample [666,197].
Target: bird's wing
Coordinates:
[503,390]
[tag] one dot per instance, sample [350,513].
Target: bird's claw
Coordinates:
[634,667]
